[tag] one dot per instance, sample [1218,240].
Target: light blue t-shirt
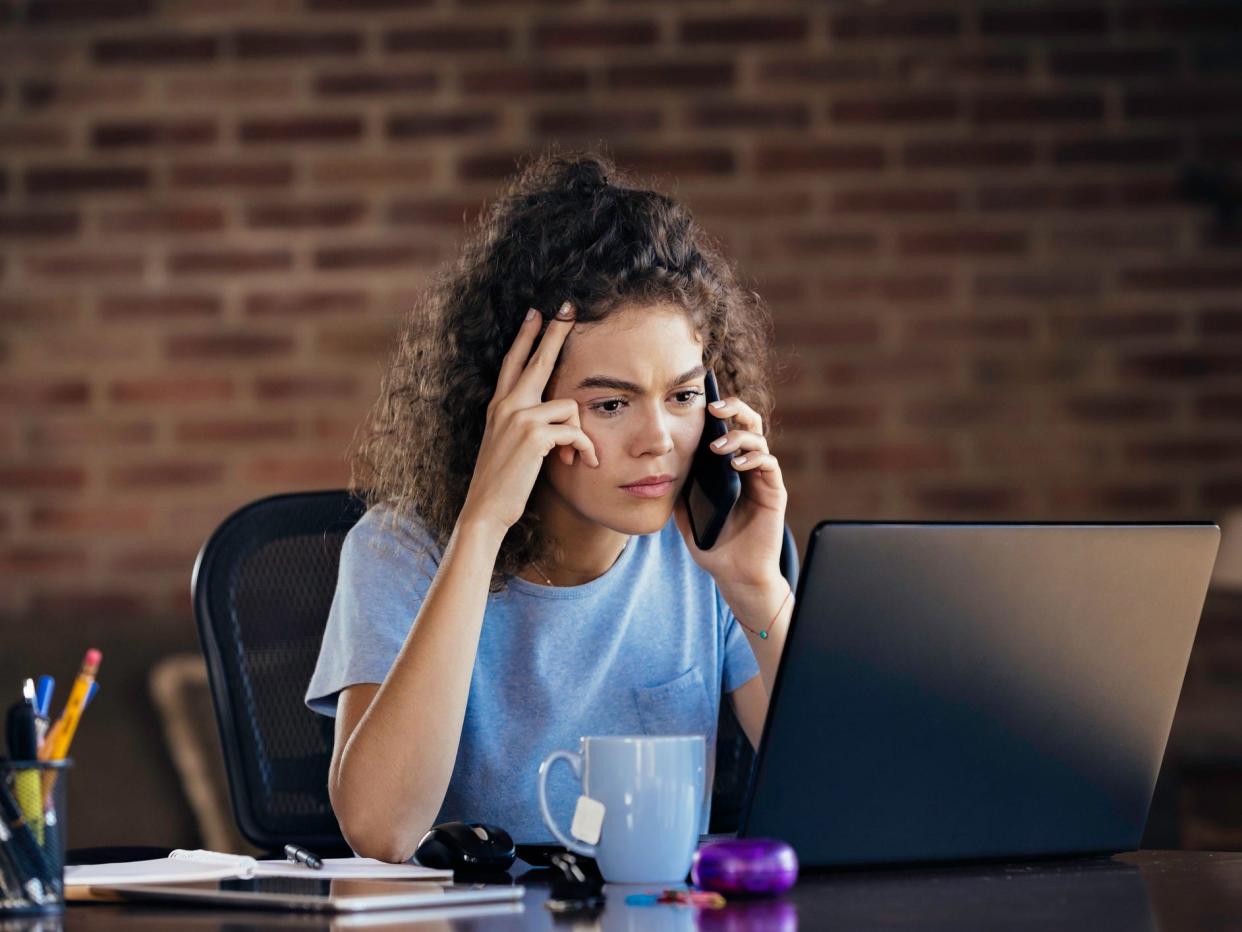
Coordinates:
[643,649]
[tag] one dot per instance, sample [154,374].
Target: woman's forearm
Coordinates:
[755,608]
[396,764]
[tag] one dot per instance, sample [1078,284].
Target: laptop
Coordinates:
[970,691]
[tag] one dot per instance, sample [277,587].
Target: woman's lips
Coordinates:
[658,490]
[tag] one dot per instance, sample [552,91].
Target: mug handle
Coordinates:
[574,759]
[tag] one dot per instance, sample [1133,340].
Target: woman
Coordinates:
[526,574]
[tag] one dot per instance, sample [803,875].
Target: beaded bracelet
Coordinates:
[763,635]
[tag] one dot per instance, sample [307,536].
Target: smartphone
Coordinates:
[713,487]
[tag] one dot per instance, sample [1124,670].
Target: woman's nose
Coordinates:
[656,438]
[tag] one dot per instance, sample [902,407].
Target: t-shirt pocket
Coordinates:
[679,707]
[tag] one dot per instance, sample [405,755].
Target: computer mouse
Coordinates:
[466,846]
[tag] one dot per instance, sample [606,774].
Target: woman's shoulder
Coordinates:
[391,533]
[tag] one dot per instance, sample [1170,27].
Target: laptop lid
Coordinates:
[964,691]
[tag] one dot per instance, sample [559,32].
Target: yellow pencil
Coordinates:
[61,735]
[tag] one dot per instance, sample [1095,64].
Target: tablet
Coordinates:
[308,893]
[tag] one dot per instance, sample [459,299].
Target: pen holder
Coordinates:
[32,836]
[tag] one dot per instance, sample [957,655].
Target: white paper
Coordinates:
[185,866]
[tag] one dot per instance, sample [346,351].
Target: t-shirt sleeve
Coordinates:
[740,664]
[383,577]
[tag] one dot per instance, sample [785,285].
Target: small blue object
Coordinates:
[642,899]
[90,693]
[43,695]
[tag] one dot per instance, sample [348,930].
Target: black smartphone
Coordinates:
[713,486]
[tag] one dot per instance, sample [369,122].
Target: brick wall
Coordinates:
[997,292]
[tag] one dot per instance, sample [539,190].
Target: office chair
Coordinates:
[262,587]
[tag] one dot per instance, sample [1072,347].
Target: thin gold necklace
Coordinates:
[542,572]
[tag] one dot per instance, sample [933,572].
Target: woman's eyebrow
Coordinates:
[621,385]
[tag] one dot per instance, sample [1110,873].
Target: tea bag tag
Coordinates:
[588,820]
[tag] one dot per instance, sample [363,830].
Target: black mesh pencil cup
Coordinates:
[32,836]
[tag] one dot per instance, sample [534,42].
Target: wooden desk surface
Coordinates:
[1168,891]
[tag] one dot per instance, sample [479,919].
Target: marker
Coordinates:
[67,724]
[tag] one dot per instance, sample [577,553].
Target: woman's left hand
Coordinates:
[746,555]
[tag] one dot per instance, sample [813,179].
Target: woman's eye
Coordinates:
[612,407]
[691,393]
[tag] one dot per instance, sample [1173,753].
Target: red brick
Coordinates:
[820,70]
[903,287]
[1112,326]
[26,136]
[42,477]
[328,472]
[147,307]
[956,413]
[230,173]
[966,499]
[828,416]
[118,134]
[1178,19]
[162,219]
[89,433]
[1026,109]
[301,129]
[677,160]
[43,391]
[171,557]
[963,242]
[64,605]
[895,24]
[1110,62]
[1220,322]
[1039,285]
[966,154]
[1131,150]
[33,560]
[1187,276]
[758,116]
[449,39]
[889,200]
[815,243]
[1220,406]
[595,120]
[84,265]
[933,66]
[1191,104]
[162,49]
[236,430]
[305,303]
[833,331]
[68,180]
[1185,451]
[165,390]
[85,11]
[165,474]
[375,256]
[254,43]
[39,311]
[872,109]
[890,369]
[376,82]
[431,124]
[574,35]
[743,30]
[448,212]
[305,215]
[360,342]
[1221,493]
[523,80]
[819,158]
[31,224]
[354,6]
[228,346]
[1180,365]
[246,87]
[1115,496]
[381,171]
[229,261]
[38,94]
[306,387]
[671,75]
[1045,20]
[92,518]
[743,205]
[970,328]
[889,457]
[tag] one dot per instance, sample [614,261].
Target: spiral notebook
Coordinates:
[184,866]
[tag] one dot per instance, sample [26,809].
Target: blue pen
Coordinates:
[43,695]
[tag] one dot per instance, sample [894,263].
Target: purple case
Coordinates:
[741,866]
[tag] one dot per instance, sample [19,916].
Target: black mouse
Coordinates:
[466,846]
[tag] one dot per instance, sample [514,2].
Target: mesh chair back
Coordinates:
[262,588]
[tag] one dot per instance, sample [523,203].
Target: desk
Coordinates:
[1145,891]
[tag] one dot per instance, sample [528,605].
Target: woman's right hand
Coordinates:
[522,428]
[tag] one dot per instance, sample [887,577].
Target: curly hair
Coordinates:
[568,226]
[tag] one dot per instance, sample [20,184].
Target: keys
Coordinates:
[577,888]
